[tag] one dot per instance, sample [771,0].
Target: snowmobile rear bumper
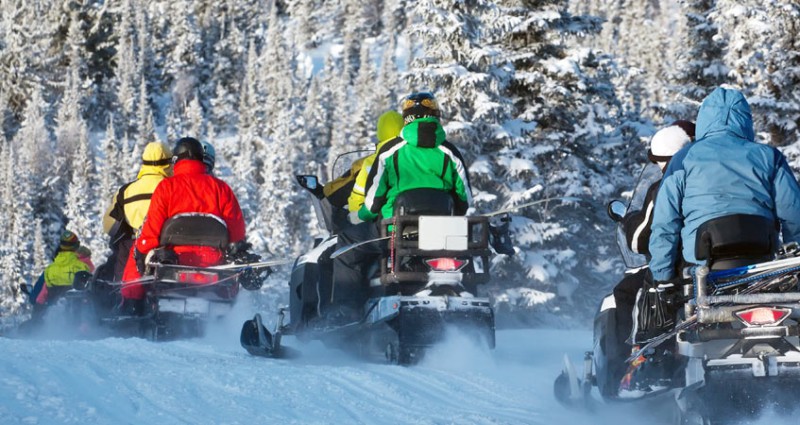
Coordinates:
[421,321]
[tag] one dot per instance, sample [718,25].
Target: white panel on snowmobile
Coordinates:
[608,303]
[443,233]
[197,306]
[171,305]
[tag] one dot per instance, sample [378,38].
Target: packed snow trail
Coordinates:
[214,381]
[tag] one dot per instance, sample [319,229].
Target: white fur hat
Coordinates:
[669,140]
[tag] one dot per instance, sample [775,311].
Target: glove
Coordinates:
[656,305]
[250,279]
[353,218]
[237,253]
[139,258]
[499,236]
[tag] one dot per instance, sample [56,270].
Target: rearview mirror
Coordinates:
[616,210]
[311,184]
[308,182]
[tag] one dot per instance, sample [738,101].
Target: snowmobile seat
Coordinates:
[195,229]
[424,201]
[736,240]
[56,292]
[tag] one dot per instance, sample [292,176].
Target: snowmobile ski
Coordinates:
[569,389]
[258,341]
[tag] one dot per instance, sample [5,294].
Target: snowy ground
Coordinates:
[213,381]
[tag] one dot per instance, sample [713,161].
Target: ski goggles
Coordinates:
[657,158]
[420,99]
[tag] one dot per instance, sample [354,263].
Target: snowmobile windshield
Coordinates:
[344,162]
[650,174]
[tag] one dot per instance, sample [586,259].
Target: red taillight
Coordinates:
[446,264]
[197,278]
[763,316]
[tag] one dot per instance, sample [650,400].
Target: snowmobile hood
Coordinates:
[725,111]
[424,132]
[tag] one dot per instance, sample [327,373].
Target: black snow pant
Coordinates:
[123,252]
[350,286]
[625,299]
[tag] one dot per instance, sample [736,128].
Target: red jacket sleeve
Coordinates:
[156,216]
[232,214]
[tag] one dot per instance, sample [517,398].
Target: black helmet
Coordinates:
[418,105]
[187,148]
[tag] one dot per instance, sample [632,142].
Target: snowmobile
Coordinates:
[180,300]
[729,346]
[424,284]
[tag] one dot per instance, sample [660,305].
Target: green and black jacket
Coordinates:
[419,158]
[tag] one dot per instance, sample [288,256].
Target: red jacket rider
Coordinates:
[189,190]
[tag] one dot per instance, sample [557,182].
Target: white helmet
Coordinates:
[669,140]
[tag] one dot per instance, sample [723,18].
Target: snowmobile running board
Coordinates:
[572,391]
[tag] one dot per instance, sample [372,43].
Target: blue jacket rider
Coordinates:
[723,172]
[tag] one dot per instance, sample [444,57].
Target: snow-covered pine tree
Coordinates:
[126,72]
[764,56]
[341,141]
[82,218]
[145,127]
[194,119]
[230,58]
[282,226]
[388,74]
[26,62]
[183,42]
[369,105]
[317,116]
[243,155]
[31,180]
[109,172]
[701,68]
[304,31]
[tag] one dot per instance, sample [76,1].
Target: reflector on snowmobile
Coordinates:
[197,277]
[446,264]
[760,316]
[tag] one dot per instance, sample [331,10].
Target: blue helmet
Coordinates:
[209,156]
